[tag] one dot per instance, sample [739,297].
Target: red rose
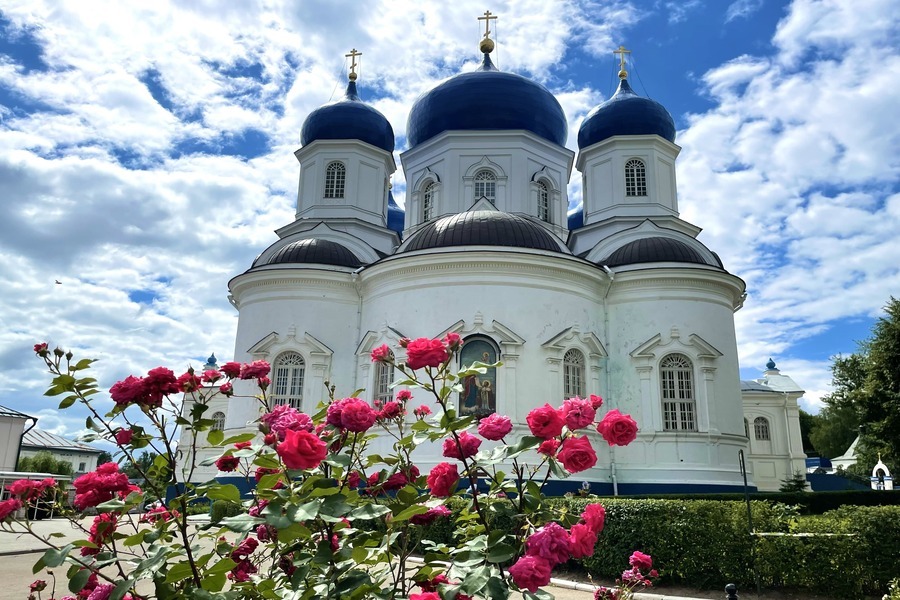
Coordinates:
[425,596]
[545,421]
[128,391]
[41,349]
[549,447]
[301,450]
[594,516]
[123,436]
[550,542]
[8,507]
[639,560]
[530,573]
[231,370]
[494,427]
[255,370]
[404,395]
[577,454]
[618,429]
[422,412]
[596,401]
[578,413]
[467,446]
[390,410]
[431,516]
[226,389]
[227,463]
[425,352]
[211,376]
[452,340]
[381,354]
[582,540]
[243,445]
[188,382]
[159,382]
[357,415]
[443,479]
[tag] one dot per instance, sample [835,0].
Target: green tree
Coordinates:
[795,483]
[838,422]
[807,423]
[879,403]
[44,462]
[104,457]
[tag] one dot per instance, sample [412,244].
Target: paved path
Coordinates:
[19,552]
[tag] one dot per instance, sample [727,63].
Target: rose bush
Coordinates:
[304,528]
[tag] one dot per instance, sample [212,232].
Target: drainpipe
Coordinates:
[22,437]
[354,277]
[612,451]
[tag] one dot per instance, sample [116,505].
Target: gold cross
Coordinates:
[621,51]
[487,22]
[352,56]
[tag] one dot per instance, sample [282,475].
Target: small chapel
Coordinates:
[616,298]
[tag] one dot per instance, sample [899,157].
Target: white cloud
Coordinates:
[742,9]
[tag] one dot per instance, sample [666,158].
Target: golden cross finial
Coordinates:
[621,51]
[487,44]
[352,56]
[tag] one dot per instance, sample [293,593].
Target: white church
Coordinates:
[617,298]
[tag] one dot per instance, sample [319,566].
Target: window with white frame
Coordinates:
[218,420]
[761,429]
[287,387]
[486,186]
[676,374]
[383,374]
[574,374]
[335,176]
[746,428]
[635,178]
[428,202]
[543,202]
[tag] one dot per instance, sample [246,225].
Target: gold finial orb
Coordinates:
[352,76]
[486,45]
[623,74]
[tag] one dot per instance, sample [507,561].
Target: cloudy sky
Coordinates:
[146,154]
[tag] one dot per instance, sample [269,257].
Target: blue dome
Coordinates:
[487,100]
[396,216]
[625,113]
[348,119]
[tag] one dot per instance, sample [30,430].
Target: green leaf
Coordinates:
[409,512]
[214,583]
[178,571]
[475,580]
[241,437]
[66,402]
[241,523]
[119,591]
[528,442]
[369,511]
[300,513]
[224,492]
[79,580]
[82,364]
[499,553]
[53,557]
[222,567]
[496,589]
[215,437]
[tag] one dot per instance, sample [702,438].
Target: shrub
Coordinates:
[223,508]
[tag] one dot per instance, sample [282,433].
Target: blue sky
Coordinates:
[146,154]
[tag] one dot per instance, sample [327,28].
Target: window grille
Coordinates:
[543,202]
[218,420]
[746,429]
[761,428]
[635,178]
[486,186]
[383,376]
[335,176]
[679,405]
[574,374]
[428,202]
[288,385]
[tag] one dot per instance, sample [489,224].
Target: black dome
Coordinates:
[487,99]
[482,228]
[323,252]
[655,249]
[348,119]
[625,113]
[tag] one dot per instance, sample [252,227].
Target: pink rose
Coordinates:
[577,454]
[639,560]
[425,596]
[390,410]
[123,436]
[594,516]
[531,572]
[618,429]
[255,370]
[582,540]
[431,516]
[494,427]
[227,463]
[210,376]
[357,415]
[549,447]
[188,382]
[381,354]
[596,401]
[226,389]
[443,479]
[404,395]
[159,382]
[8,507]
[578,413]
[333,415]
[301,450]
[550,542]
[41,349]
[128,391]
[467,446]
[452,340]
[425,352]
[545,422]
[231,370]
[422,412]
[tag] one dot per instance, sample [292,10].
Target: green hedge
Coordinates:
[813,503]
[223,508]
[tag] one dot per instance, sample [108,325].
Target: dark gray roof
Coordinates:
[482,228]
[8,412]
[323,252]
[656,249]
[755,386]
[37,438]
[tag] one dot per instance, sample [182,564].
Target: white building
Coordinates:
[12,426]
[617,298]
[82,457]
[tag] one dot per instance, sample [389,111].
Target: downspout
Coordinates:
[354,277]
[22,437]
[612,450]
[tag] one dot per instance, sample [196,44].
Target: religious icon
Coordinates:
[479,393]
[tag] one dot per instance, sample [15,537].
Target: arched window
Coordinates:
[479,394]
[218,420]
[573,374]
[635,178]
[335,175]
[746,428]
[486,186]
[543,202]
[288,385]
[761,428]
[428,202]
[383,375]
[679,406]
